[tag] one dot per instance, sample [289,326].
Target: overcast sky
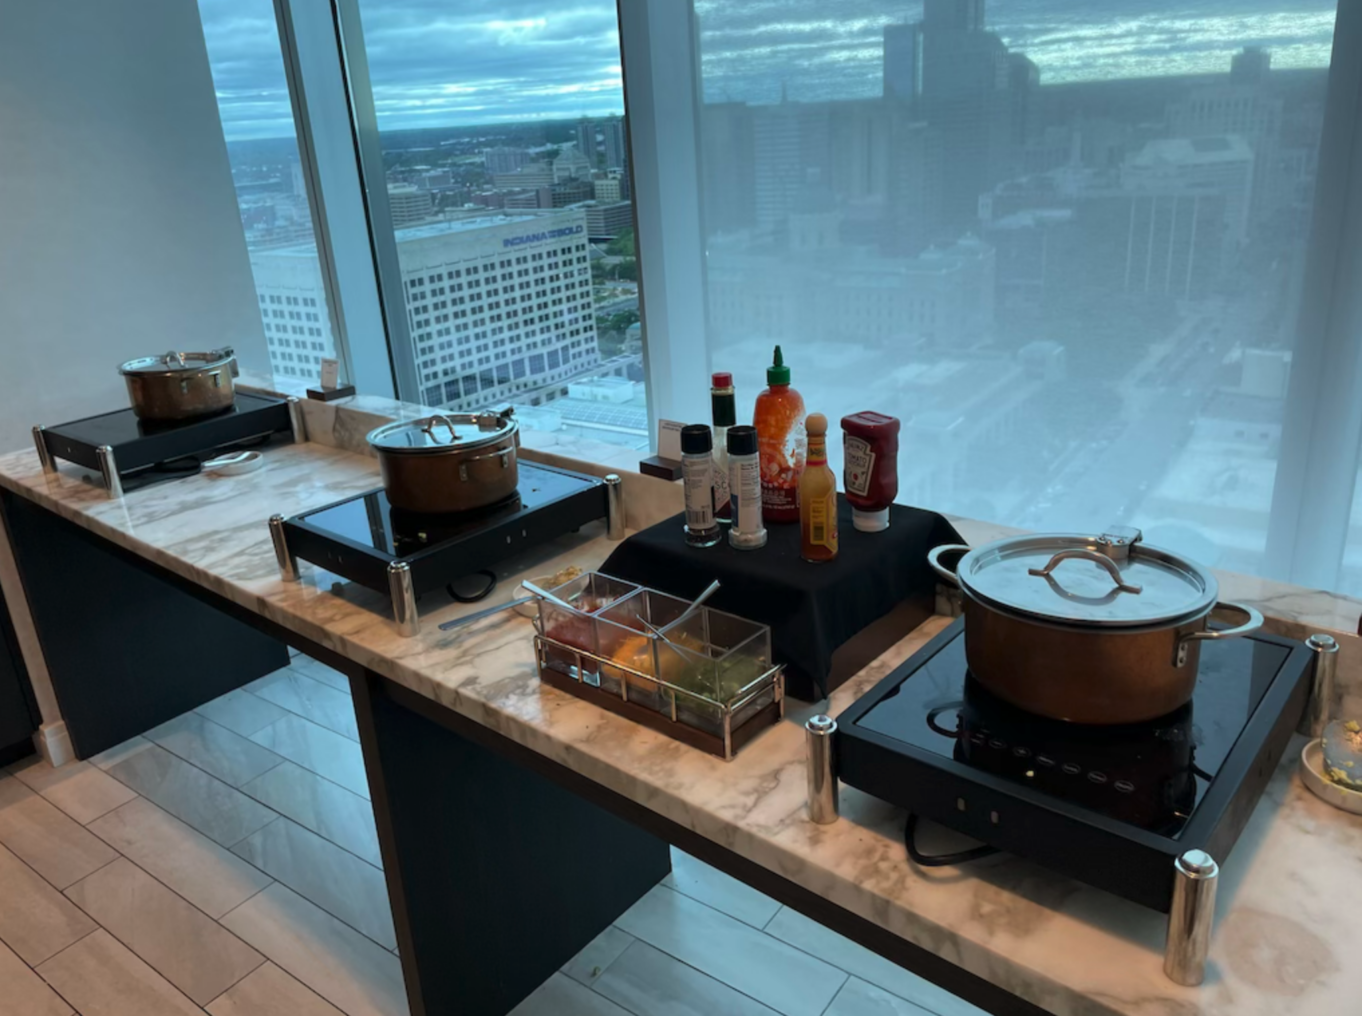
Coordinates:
[441,62]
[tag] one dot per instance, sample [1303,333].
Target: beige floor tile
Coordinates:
[101,977]
[110,757]
[323,751]
[350,971]
[36,921]
[241,712]
[24,993]
[213,748]
[326,808]
[722,892]
[645,979]
[298,693]
[180,942]
[747,960]
[562,996]
[597,955]
[83,791]
[806,934]
[220,812]
[271,992]
[56,846]
[321,672]
[332,878]
[209,876]
[859,998]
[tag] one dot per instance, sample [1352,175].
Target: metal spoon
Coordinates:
[546,595]
[485,612]
[710,590]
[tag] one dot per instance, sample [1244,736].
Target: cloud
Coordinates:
[443,62]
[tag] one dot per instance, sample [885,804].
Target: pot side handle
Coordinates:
[934,559]
[1254,622]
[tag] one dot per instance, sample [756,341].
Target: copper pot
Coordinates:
[1089,629]
[180,386]
[448,463]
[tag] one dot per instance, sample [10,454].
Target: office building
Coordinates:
[505,160]
[615,142]
[571,165]
[293,311]
[532,175]
[408,203]
[902,61]
[1204,165]
[607,220]
[498,307]
[608,189]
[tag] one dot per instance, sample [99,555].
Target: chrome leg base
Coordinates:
[1189,920]
[404,599]
[615,517]
[44,453]
[288,563]
[297,422]
[823,802]
[108,469]
[1318,709]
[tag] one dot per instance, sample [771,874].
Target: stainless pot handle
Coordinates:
[1122,586]
[173,357]
[429,428]
[934,559]
[1254,622]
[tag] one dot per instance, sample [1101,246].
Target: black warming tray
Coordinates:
[1110,806]
[361,537]
[136,445]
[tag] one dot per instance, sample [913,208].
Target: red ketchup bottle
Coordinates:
[870,468]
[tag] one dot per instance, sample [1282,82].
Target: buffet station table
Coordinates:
[497,786]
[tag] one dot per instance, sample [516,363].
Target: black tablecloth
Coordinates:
[811,608]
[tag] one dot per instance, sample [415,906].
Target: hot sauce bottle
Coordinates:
[870,470]
[779,419]
[817,497]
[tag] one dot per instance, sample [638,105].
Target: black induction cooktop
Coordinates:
[137,445]
[1110,805]
[360,537]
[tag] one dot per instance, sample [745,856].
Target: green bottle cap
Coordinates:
[778,373]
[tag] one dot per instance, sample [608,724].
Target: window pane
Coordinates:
[506,154]
[242,37]
[1061,241]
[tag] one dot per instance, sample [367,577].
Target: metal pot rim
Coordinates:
[165,366]
[1201,589]
[506,429]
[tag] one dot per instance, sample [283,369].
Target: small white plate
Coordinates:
[1312,774]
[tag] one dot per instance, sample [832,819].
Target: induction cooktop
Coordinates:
[130,452]
[1110,805]
[368,541]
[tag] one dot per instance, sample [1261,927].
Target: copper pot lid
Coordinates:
[1113,580]
[175,363]
[443,432]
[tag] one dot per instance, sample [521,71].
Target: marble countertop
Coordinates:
[1285,910]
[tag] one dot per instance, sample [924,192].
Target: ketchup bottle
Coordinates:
[779,419]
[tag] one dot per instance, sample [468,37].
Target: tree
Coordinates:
[622,245]
[627,269]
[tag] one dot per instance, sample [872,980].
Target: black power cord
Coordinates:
[940,860]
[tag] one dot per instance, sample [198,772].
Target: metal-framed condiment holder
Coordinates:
[618,650]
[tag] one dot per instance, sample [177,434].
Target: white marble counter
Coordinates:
[1286,915]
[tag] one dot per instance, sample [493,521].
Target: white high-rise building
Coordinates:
[288,282]
[499,308]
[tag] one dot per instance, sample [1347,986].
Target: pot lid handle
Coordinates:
[1087,555]
[173,359]
[1117,541]
[429,428]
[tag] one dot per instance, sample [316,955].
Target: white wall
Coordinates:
[119,231]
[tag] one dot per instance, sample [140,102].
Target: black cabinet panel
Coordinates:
[126,650]
[18,717]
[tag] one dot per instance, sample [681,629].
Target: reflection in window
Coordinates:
[1061,242]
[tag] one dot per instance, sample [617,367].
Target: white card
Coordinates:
[669,440]
[330,373]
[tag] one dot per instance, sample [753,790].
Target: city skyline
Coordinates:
[514,61]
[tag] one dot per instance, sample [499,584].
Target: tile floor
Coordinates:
[227,862]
